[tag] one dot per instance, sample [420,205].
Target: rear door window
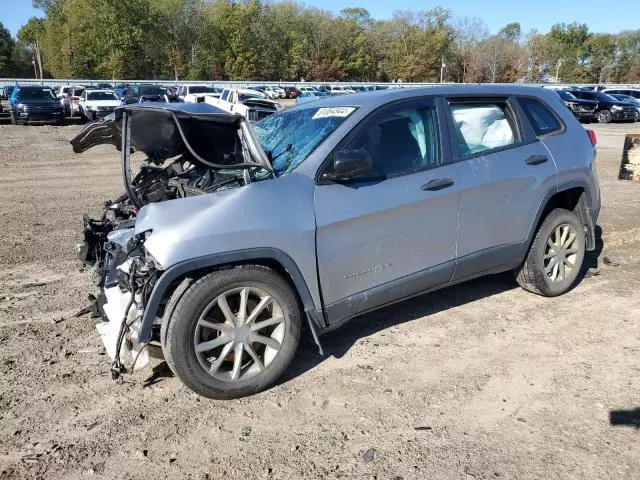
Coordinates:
[540,117]
[481,126]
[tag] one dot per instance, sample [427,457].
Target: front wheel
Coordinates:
[555,258]
[604,116]
[233,332]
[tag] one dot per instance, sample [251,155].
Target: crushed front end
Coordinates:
[189,150]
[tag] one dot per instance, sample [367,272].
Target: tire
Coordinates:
[536,274]
[182,330]
[604,116]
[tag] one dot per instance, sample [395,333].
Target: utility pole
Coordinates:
[558,70]
[39,58]
[442,67]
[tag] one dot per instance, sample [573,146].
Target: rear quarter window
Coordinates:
[541,118]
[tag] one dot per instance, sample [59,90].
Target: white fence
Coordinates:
[237,84]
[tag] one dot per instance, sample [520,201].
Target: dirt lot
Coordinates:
[482,380]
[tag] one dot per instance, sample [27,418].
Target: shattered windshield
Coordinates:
[289,137]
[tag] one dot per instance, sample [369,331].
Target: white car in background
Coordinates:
[94,104]
[249,103]
[197,93]
[274,92]
[338,90]
[307,89]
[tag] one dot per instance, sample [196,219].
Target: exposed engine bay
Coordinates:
[183,150]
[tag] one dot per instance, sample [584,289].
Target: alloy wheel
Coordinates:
[561,252]
[239,334]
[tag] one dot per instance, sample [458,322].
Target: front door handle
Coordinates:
[437,184]
[535,160]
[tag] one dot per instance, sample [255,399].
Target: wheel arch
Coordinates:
[272,258]
[572,196]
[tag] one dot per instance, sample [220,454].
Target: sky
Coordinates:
[599,15]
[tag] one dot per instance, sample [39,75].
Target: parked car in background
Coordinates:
[249,103]
[94,104]
[274,92]
[196,93]
[7,91]
[583,109]
[325,211]
[631,92]
[291,92]
[609,108]
[64,90]
[627,98]
[339,90]
[102,86]
[121,89]
[310,96]
[70,100]
[35,104]
[140,93]
[308,88]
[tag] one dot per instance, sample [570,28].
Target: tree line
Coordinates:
[259,40]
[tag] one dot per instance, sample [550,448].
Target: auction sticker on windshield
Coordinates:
[333,112]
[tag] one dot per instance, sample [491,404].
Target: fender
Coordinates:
[314,316]
[585,212]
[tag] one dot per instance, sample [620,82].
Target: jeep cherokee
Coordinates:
[230,236]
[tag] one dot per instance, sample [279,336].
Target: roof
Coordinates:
[376,98]
[91,90]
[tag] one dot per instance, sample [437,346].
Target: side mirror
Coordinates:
[350,163]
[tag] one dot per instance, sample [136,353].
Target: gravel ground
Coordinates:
[481,380]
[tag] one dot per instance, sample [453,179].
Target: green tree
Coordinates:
[6,50]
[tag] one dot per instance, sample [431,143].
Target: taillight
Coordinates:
[592,137]
[74,99]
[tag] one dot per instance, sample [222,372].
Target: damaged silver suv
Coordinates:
[232,239]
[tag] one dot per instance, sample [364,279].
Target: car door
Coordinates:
[505,172]
[391,232]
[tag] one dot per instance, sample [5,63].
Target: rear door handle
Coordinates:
[437,184]
[535,160]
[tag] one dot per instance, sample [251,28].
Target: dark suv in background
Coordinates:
[609,108]
[584,110]
[35,104]
[145,93]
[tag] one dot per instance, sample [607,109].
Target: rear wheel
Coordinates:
[604,116]
[556,255]
[233,332]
